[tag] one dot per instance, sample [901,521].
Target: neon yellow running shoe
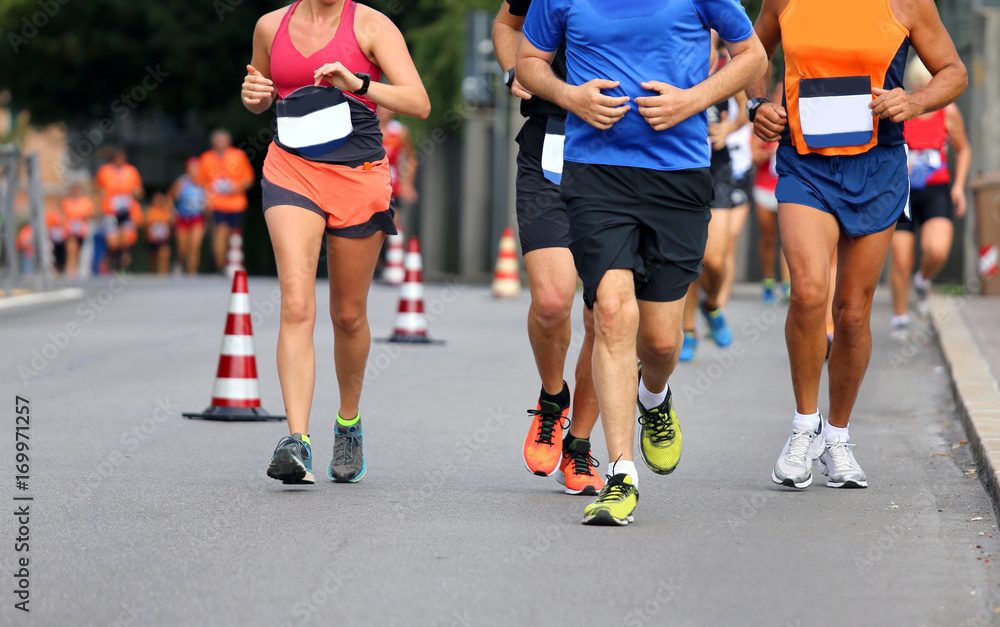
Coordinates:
[615,503]
[660,436]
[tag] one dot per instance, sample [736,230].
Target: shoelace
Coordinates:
[582,462]
[344,445]
[614,490]
[302,450]
[840,452]
[661,425]
[798,447]
[547,425]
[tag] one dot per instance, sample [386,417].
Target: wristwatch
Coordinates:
[366,81]
[508,78]
[752,105]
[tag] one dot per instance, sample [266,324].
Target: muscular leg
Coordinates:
[616,322]
[935,245]
[351,263]
[658,342]
[860,264]
[767,221]
[690,308]
[585,407]
[713,271]
[809,237]
[901,270]
[552,280]
[296,235]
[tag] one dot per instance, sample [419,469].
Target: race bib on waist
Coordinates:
[314,120]
[834,111]
[121,203]
[552,149]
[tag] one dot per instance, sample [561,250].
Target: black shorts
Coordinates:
[730,191]
[652,222]
[933,201]
[541,214]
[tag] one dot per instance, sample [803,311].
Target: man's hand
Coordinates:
[896,105]
[958,199]
[770,121]
[518,90]
[671,107]
[717,133]
[590,105]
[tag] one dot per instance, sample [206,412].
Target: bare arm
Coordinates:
[771,118]
[258,89]
[963,156]
[381,40]
[937,51]
[534,67]
[506,38]
[674,105]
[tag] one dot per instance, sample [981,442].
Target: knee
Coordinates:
[615,319]
[349,320]
[297,309]
[936,252]
[810,294]
[850,318]
[661,344]
[552,306]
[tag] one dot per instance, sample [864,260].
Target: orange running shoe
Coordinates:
[543,446]
[576,472]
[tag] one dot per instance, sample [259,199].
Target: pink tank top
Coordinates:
[291,70]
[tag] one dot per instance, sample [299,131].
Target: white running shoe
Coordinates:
[794,466]
[900,332]
[841,469]
[921,288]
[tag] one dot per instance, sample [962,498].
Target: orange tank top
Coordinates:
[835,53]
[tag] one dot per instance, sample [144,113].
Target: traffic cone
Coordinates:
[393,273]
[507,277]
[234,257]
[236,395]
[410,326]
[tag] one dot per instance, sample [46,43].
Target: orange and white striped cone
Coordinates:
[410,326]
[394,273]
[236,395]
[234,256]
[507,276]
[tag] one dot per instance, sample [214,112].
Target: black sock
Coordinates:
[561,399]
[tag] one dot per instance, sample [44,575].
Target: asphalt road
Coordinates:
[141,517]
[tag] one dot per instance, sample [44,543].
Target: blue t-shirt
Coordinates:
[634,41]
[191,199]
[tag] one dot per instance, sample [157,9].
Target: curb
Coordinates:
[977,394]
[38,298]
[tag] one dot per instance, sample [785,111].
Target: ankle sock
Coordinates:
[562,398]
[348,423]
[649,399]
[304,437]
[569,440]
[624,466]
[903,320]
[806,421]
[837,434]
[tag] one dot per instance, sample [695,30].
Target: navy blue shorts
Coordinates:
[866,193]
[232,220]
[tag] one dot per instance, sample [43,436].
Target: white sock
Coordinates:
[650,400]
[837,434]
[899,321]
[806,422]
[624,466]
[921,282]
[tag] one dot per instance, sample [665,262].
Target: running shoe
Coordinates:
[576,472]
[292,460]
[786,291]
[689,346]
[614,504]
[348,463]
[767,291]
[543,445]
[841,469]
[794,466]
[900,332]
[921,289]
[721,334]
[660,435]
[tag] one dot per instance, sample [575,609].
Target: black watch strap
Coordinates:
[366,81]
[752,106]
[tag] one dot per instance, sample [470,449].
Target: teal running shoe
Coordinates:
[717,325]
[689,346]
[348,463]
[767,291]
[292,460]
